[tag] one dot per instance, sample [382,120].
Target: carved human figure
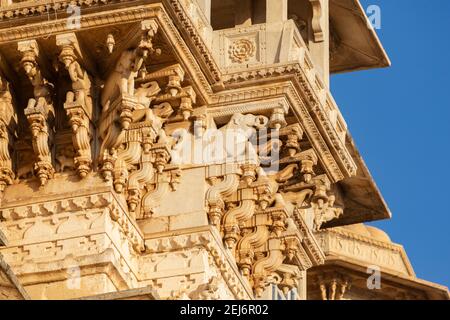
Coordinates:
[122,79]
[42,89]
[327,212]
[81,84]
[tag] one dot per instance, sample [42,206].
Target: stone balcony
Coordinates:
[274,45]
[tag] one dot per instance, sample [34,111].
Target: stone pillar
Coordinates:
[205,5]
[319,44]
[302,286]
[276,10]
[243,13]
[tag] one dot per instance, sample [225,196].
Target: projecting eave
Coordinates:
[362,199]
[354,44]
[390,280]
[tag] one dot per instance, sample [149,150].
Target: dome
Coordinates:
[368,231]
[378,234]
[358,228]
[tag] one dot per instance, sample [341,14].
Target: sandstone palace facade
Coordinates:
[188,149]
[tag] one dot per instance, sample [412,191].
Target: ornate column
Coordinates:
[39,112]
[78,103]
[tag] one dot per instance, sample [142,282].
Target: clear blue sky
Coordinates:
[400,120]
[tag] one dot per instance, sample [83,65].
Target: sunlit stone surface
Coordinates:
[188,149]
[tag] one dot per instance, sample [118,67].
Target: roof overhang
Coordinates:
[355,42]
[363,201]
[390,280]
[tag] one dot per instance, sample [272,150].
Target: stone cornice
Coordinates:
[315,107]
[287,90]
[208,238]
[45,7]
[399,261]
[192,36]
[119,16]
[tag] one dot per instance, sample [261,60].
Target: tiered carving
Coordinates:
[241,196]
[78,103]
[136,150]
[39,111]
[8,123]
[162,184]
[254,209]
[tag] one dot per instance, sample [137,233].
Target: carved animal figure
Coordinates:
[6,106]
[327,213]
[231,141]
[42,88]
[64,159]
[237,133]
[81,84]
[121,80]
[147,92]
[26,165]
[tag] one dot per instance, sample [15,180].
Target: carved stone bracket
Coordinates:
[317,28]
[152,198]
[224,182]
[237,215]
[39,112]
[78,103]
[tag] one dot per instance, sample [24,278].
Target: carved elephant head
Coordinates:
[238,131]
[241,121]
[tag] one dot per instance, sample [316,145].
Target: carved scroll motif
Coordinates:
[216,193]
[163,183]
[254,209]
[264,266]
[39,112]
[237,215]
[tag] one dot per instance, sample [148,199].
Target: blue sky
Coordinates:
[400,120]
